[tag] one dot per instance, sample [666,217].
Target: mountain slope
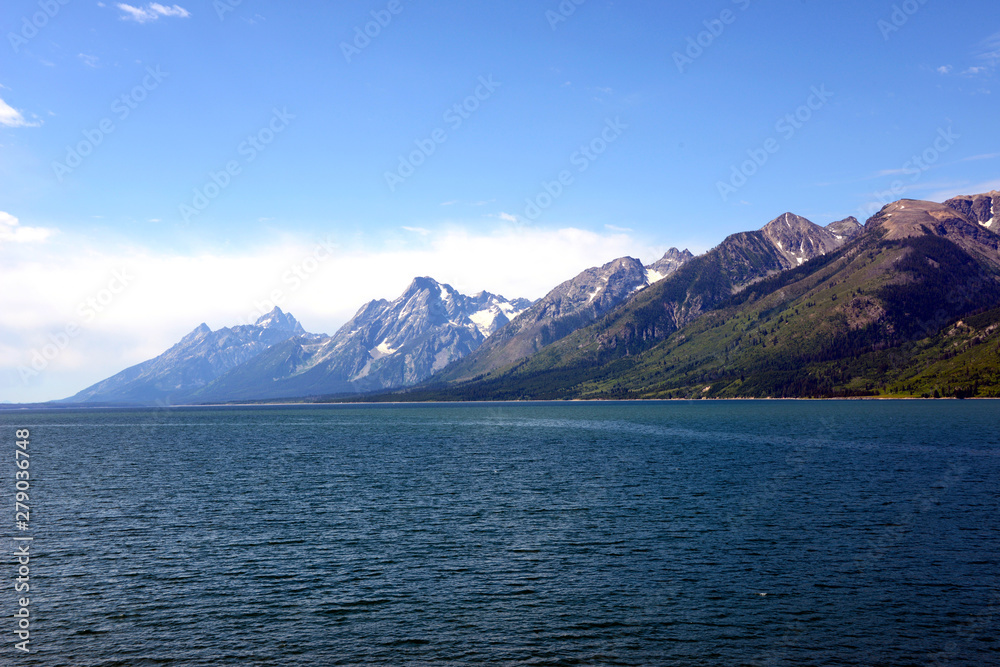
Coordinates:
[385,345]
[198,359]
[570,306]
[909,307]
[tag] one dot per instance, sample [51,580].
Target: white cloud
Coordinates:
[168,295]
[944,69]
[12,232]
[507,217]
[88,60]
[11,117]
[151,12]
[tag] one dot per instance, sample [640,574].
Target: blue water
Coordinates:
[704,533]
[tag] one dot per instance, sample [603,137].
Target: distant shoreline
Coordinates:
[272,404]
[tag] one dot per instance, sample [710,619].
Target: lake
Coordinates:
[663,533]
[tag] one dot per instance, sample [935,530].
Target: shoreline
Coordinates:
[570,401]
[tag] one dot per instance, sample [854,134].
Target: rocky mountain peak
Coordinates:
[845,229]
[799,239]
[279,321]
[199,332]
[672,260]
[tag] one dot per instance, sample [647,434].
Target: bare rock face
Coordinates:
[984,208]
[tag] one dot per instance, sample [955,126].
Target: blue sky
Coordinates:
[211,146]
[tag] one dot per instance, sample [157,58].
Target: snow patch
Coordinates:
[993,212]
[653,276]
[383,349]
[484,319]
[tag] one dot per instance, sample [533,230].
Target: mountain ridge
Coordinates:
[870,317]
[615,330]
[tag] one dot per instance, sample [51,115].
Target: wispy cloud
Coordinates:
[944,69]
[11,117]
[416,230]
[960,190]
[12,232]
[88,60]
[984,156]
[151,12]
[989,50]
[892,172]
[507,217]
[615,228]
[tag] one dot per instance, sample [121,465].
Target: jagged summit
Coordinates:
[799,239]
[672,260]
[279,320]
[845,229]
[199,331]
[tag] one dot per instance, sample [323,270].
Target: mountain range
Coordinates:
[906,304]
[386,345]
